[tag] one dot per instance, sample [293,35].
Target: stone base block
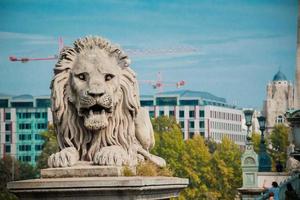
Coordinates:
[251,193]
[105,188]
[86,170]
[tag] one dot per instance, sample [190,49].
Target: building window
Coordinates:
[7,149]
[38,137]
[181,113]
[41,126]
[37,115]
[44,115]
[26,115]
[192,124]
[201,113]
[202,134]
[24,147]
[181,123]
[44,103]
[7,116]
[26,158]
[7,127]
[166,101]
[36,158]
[279,119]
[171,113]
[201,124]
[151,113]
[3,103]
[192,114]
[146,102]
[22,104]
[24,137]
[38,147]
[189,102]
[7,138]
[24,126]
[161,113]
[191,135]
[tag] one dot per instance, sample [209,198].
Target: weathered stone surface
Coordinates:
[85,169]
[250,193]
[112,188]
[96,108]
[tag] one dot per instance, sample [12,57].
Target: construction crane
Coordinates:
[175,51]
[25,59]
[159,84]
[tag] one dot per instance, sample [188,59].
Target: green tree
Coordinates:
[213,170]
[169,142]
[279,142]
[212,145]
[196,165]
[27,171]
[256,141]
[226,163]
[50,146]
[12,170]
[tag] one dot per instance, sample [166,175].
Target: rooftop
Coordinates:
[23,97]
[279,76]
[189,94]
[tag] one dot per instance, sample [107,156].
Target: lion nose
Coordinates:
[95,93]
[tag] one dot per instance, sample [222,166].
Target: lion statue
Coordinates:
[96,108]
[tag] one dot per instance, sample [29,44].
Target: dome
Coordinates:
[279,76]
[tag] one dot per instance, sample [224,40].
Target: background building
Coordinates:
[198,113]
[22,119]
[280,98]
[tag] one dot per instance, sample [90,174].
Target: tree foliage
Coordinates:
[256,141]
[279,142]
[50,146]
[169,142]
[227,168]
[214,170]
[196,164]
[13,170]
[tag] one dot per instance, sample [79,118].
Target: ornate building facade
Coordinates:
[280,98]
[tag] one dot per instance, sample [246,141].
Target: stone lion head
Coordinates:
[94,97]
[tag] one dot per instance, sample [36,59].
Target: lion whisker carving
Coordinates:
[96,108]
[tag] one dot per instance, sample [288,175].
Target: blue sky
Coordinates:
[240,44]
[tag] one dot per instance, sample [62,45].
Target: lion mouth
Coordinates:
[95,117]
[94,110]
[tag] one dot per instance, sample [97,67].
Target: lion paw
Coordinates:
[65,158]
[111,155]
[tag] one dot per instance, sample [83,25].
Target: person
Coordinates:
[279,167]
[274,189]
[271,196]
[290,193]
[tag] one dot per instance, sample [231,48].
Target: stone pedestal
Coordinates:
[251,193]
[85,169]
[104,188]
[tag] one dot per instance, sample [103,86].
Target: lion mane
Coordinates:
[69,126]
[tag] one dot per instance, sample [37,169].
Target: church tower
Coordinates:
[279,99]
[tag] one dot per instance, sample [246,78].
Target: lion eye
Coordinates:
[108,77]
[81,77]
